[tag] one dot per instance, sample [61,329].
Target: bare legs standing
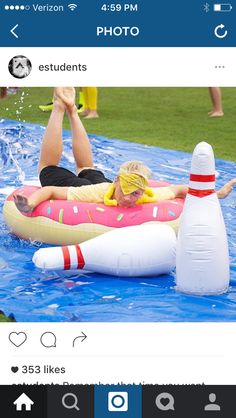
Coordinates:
[217,109]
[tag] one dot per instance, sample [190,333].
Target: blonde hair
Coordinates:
[135,167]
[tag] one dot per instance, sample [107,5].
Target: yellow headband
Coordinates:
[129,183]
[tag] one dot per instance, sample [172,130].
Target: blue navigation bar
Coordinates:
[122,23]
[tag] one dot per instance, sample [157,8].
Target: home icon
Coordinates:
[23,403]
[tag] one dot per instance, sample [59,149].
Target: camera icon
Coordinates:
[117,401]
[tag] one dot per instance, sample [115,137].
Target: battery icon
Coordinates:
[223,7]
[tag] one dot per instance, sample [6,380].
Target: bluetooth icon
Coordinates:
[206,7]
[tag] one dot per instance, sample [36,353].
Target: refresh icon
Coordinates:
[220,31]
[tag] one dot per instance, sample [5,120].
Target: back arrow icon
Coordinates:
[13,33]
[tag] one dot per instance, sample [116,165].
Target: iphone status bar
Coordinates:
[118,24]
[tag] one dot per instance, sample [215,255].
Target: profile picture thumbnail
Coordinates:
[20,66]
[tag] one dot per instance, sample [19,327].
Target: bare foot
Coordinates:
[84,113]
[216,113]
[57,101]
[22,203]
[66,95]
[226,189]
[92,114]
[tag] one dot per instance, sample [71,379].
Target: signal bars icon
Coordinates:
[72,6]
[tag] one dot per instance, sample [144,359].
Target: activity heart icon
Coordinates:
[165,401]
[14,369]
[17,338]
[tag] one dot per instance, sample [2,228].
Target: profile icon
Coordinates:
[212,406]
[20,66]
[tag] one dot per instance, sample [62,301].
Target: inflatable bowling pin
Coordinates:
[134,251]
[202,259]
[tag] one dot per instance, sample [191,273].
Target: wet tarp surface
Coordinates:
[34,295]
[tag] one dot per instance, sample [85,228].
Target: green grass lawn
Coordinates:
[174,118]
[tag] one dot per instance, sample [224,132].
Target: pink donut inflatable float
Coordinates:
[65,222]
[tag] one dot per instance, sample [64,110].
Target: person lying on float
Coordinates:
[130,187]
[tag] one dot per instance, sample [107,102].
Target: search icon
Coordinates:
[69,405]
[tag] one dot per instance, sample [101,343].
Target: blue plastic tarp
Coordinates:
[33,295]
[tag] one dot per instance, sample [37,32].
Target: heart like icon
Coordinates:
[14,369]
[17,338]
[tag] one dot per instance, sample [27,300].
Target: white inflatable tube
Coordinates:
[144,250]
[202,259]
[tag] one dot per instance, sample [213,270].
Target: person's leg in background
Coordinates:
[90,102]
[84,91]
[216,99]
[3,92]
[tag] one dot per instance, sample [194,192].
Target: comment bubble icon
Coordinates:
[48,339]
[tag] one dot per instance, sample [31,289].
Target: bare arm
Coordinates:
[27,205]
[47,193]
[226,189]
[179,190]
[182,189]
